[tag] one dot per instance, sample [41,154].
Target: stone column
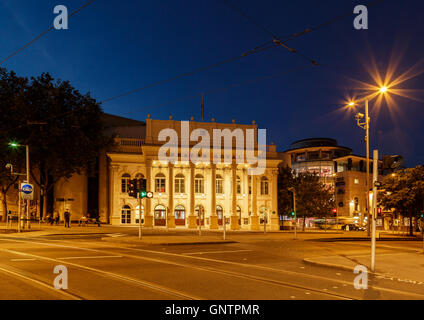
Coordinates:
[148,218]
[275,221]
[114,219]
[192,219]
[254,219]
[171,216]
[234,217]
[213,216]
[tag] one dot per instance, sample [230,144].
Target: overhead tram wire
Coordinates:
[186,74]
[276,40]
[43,33]
[257,49]
[263,47]
[215,91]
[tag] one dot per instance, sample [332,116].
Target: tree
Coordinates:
[12,89]
[403,193]
[62,127]
[313,198]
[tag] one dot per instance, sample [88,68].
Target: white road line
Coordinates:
[142,283]
[22,260]
[93,257]
[39,283]
[212,252]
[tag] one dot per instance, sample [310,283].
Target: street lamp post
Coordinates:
[16,145]
[366,126]
[374,208]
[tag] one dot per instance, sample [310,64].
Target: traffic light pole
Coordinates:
[140,224]
[374,208]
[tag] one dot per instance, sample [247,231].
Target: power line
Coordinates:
[186,74]
[276,40]
[260,48]
[215,91]
[43,33]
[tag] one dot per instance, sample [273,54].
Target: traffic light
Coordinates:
[131,188]
[379,210]
[335,212]
[292,214]
[141,185]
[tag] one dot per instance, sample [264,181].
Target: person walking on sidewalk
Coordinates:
[67,218]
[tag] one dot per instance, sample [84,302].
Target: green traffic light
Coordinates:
[14,144]
[293,213]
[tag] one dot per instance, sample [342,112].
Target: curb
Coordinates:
[137,241]
[362,239]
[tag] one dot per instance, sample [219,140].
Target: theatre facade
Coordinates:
[186,194]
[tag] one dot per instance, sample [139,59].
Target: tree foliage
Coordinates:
[313,198]
[403,193]
[62,126]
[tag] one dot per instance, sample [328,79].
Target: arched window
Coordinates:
[160,215]
[126,215]
[219,184]
[238,185]
[199,185]
[263,213]
[160,183]
[179,212]
[200,210]
[139,176]
[264,186]
[137,214]
[179,184]
[124,182]
[220,214]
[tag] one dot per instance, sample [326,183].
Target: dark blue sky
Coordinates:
[115,46]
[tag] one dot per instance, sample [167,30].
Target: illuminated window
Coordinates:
[124,182]
[199,186]
[179,184]
[238,185]
[160,183]
[264,186]
[126,215]
[219,185]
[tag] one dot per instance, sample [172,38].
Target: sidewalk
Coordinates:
[404,267]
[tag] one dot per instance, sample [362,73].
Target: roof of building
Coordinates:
[316,143]
[112,120]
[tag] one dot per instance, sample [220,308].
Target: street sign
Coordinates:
[27,191]
[149,195]
[143,194]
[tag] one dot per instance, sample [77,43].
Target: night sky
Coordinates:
[113,47]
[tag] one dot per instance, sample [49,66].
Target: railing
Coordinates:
[129,145]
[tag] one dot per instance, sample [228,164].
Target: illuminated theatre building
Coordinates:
[183,191]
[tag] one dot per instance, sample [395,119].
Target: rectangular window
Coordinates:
[160,185]
[179,186]
[219,186]
[198,186]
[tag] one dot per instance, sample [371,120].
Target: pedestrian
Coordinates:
[57,217]
[98,221]
[67,218]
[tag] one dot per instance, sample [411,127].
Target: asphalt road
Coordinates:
[256,267]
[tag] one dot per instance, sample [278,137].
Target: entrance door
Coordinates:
[200,210]
[180,219]
[220,214]
[160,216]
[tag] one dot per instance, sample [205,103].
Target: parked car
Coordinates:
[352,227]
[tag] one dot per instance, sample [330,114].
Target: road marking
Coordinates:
[212,252]
[50,243]
[40,283]
[142,283]
[93,257]
[116,235]
[22,260]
